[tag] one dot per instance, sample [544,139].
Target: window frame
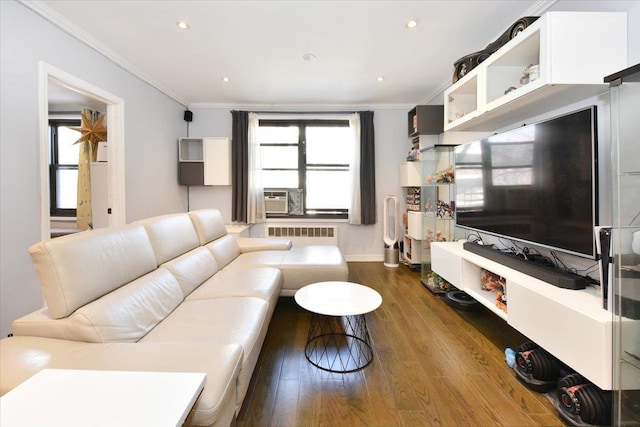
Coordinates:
[54,166]
[303,166]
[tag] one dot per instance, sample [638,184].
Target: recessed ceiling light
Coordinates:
[308,57]
[183,25]
[380,78]
[411,24]
[225,79]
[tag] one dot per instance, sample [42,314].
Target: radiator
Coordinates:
[305,235]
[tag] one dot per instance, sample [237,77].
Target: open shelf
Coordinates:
[548,65]
[559,320]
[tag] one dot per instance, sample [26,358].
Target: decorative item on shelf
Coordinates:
[430,236]
[445,176]
[501,301]
[413,155]
[491,281]
[435,282]
[413,199]
[428,206]
[445,209]
[511,89]
[530,73]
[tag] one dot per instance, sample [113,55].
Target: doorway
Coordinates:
[59,88]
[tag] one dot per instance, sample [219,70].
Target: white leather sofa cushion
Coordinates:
[300,266]
[192,268]
[252,244]
[261,282]
[208,224]
[22,357]
[124,315]
[219,321]
[225,249]
[170,235]
[78,268]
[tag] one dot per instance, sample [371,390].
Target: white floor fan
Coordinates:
[391,252]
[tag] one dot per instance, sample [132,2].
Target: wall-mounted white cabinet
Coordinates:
[410,174]
[204,161]
[559,59]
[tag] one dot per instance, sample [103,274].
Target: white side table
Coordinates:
[338,339]
[69,398]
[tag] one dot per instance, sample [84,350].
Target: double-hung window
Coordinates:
[310,159]
[63,167]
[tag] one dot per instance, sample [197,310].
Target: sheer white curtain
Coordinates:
[255,194]
[355,211]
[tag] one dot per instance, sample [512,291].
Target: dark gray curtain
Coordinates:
[367,168]
[240,165]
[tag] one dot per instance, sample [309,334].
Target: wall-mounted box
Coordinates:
[204,161]
[410,174]
[426,120]
[414,225]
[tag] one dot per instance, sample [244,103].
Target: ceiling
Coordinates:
[260,45]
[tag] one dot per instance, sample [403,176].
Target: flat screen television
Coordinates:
[535,184]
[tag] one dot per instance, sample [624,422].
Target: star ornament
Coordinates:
[91,131]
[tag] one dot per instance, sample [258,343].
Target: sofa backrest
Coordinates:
[192,269]
[225,249]
[208,224]
[171,235]
[79,268]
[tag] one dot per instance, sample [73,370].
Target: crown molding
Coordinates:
[78,33]
[302,107]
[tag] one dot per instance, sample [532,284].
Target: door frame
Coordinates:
[115,132]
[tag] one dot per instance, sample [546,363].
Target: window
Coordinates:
[63,167]
[310,157]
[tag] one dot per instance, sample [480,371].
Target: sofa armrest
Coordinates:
[22,357]
[253,244]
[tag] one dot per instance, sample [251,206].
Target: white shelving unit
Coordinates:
[573,51]
[570,324]
[204,161]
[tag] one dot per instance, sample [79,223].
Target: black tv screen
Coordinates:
[536,183]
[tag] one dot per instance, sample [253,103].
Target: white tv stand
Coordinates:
[570,324]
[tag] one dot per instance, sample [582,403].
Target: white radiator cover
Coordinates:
[304,235]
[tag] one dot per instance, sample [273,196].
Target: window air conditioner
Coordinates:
[276,202]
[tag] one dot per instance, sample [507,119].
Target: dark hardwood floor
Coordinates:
[432,366]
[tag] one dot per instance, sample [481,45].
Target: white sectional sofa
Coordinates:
[169,293]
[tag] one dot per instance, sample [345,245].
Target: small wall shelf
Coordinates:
[425,120]
[204,161]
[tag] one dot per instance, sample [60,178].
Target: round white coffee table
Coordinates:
[338,339]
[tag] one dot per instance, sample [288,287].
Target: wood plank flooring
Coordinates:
[432,366]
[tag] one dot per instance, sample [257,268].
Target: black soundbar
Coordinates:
[553,276]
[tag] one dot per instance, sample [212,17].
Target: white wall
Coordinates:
[153,122]
[356,242]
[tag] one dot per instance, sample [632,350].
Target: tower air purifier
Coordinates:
[391,251]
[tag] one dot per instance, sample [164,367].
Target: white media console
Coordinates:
[569,324]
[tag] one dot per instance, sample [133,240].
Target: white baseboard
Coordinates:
[365,258]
